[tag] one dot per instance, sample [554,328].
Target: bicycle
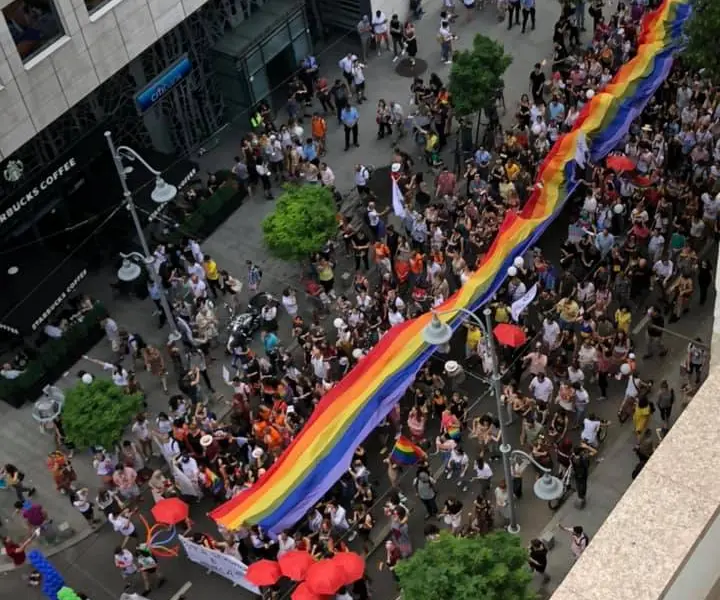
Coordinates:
[567,481]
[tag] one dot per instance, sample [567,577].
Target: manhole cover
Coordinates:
[405,68]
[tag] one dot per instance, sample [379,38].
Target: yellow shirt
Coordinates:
[502,314]
[431,142]
[211,270]
[569,311]
[325,273]
[623,318]
[473,338]
[512,170]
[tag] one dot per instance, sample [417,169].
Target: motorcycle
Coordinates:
[242,326]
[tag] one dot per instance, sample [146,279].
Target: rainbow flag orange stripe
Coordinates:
[323,450]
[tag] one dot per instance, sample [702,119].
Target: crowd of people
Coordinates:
[638,224]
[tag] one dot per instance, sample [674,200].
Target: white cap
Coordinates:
[451,366]
[290,410]
[396,167]
[206,440]
[257,452]
[338,323]
[512,271]
[357,353]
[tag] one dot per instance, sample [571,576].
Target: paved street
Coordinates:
[87,565]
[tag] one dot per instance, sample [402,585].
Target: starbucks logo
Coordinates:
[13,171]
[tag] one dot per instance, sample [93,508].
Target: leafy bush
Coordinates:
[476,75]
[491,567]
[303,221]
[97,414]
[54,358]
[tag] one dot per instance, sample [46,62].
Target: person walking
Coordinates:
[349,117]
[579,540]
[528,12]
[15,478]
[424,485]
[537,558]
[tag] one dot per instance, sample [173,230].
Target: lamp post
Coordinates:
[438,333]
[162,193]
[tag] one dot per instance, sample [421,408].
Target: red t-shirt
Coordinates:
[14,552]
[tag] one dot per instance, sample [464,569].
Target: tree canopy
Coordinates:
[491,567]
[477,75]
[303,221]
[702,31]
[97,414]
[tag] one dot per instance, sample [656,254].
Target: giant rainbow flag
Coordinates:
[323,450]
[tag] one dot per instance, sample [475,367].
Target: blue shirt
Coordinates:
[270,343]
[310,152]
[349,116]
[527,3]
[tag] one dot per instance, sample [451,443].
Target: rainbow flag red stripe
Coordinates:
[323,450]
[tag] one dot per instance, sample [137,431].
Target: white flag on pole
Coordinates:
[398,203]
[522,303]
[581,151]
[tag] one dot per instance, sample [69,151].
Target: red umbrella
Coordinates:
[618,162]
[303,592]
[170,511]
[325,577]
[510,335]
[263,572]
[295,564]
[351,564]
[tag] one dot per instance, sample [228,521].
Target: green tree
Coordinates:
[491,567]
[702,31]
[304,219]
[97,414]
[477,75]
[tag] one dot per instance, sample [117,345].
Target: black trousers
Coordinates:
[513,11]
[581,487]
[353,129]
[528,13]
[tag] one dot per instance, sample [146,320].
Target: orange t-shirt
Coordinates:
[319,127]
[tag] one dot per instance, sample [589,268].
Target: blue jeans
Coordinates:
[445,48]
[580,14]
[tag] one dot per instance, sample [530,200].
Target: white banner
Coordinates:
[225,565]
[398,202]
[522,303]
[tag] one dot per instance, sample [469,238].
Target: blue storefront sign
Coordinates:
[156,90]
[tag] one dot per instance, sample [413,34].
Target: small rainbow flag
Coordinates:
[405,453]
[454,433]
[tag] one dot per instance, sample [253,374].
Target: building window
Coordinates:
[93,5]
[34,24]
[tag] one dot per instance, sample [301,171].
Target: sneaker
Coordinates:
[447,62]
[448,475]
[352,536]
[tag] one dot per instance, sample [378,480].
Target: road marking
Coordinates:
[181,592]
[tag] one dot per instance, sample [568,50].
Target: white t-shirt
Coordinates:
[551,333]
[541,390]
[198,288]
[711,207]
[380,23]
[121,524]
[589,433]
[358,75]
[461,460]
[582,398]
[81,501]
[662,269]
